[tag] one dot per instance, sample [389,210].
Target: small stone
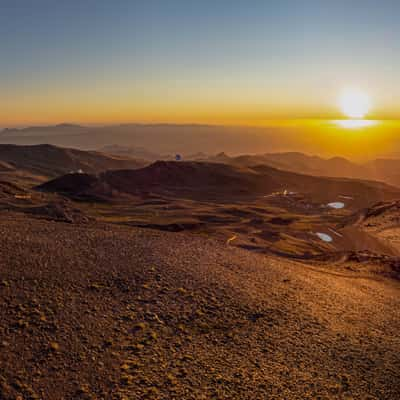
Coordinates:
[54,346]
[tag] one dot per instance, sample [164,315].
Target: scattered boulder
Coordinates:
[58,211]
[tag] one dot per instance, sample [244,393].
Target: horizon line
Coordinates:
[247,124]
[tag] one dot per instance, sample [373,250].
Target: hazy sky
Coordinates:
[222,61]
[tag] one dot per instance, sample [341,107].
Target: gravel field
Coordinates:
[98,311]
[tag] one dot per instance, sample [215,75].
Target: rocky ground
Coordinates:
[99,311]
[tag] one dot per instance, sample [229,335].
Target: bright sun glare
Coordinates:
[354,103]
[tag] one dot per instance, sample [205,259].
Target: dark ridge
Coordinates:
[70,184]
[204,180]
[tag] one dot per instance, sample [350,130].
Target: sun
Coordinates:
[354,103]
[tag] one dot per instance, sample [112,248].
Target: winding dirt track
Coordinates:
[104,312]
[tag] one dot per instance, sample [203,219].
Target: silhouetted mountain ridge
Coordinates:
[216,180]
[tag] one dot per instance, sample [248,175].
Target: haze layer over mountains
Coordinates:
[324,138]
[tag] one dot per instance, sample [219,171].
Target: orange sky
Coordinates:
[207,62]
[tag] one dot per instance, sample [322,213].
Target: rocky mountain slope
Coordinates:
[101,311]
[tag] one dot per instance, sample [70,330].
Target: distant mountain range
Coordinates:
[385,170]
[151,142]
[134,152]
[59,129]
[157,138]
